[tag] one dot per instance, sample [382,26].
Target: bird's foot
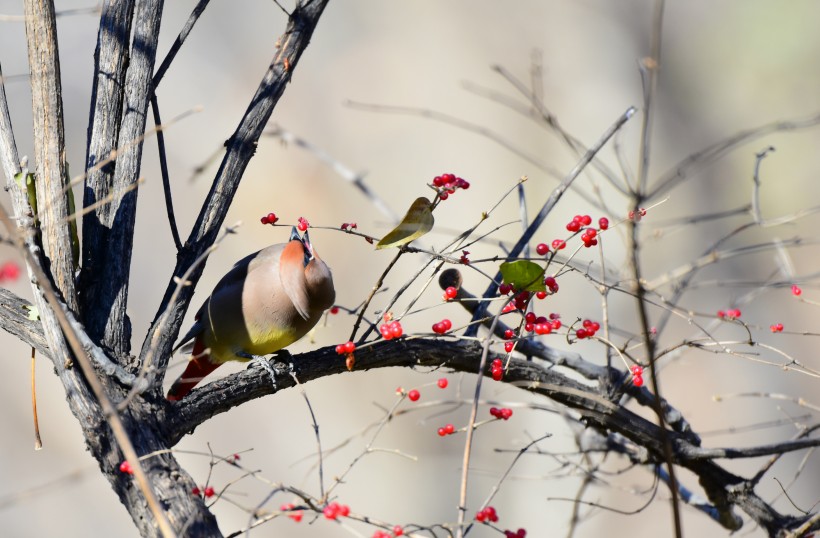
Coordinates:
[263,362]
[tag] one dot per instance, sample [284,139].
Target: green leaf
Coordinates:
[523,275]
[417,222]
[33,313]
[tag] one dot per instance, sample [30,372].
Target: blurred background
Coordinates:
[725,67]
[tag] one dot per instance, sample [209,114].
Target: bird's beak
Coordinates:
[308,247]
[294,234]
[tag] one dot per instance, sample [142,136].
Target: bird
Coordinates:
[267,301]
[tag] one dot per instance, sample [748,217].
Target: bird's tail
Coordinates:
[198,367]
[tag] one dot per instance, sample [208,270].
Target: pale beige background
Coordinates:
[726,66]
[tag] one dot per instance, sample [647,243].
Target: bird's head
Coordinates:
[306,277]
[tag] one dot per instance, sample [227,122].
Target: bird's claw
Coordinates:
[263,362]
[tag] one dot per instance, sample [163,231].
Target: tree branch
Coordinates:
[51,176]
[724,489]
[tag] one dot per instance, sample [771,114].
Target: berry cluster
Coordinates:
[520,533]
[501,414]
[497,369]
[588,330]
[450,293]
[588,237]
[126,468]
[446,184]
[637,374]
[303,224]
[335,510]
[487,514]
[796,291]
[346,348]
[270,218]
[207,492]
[391,330]
[349,225]
[448,429]
[295,515]
[732,313]
[776,328]
[9,271]
[637,216]
[442,326]
[577,222]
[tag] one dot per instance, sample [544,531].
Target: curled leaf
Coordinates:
[417,222]
[523,275]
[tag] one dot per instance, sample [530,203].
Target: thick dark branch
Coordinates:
[49,145]
[723,488]
[240,148]
[110,323]
[108,88]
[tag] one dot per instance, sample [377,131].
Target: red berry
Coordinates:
[497,374]
[195,491]
[443,195]
[776,328]
[721,314]
[450,293]
[331,511]
[497,362]
[541,294]
[442,432]
[438,328]
[413,395]
[340,349]
[637,381]
[530,317]
[450,429]
[508,346]
[586,220]
[558,244]
[302,224]
[397,530]
[344,510]
[396,330]
[542,249]
[573,226]
[603,223]
[209,492]
[504,289]
[796,291]
[349,347]
[334,310]
[442,383]
[509,334]
[636,369]
[504,413]
[125,468]
[556,324]
[581,333]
